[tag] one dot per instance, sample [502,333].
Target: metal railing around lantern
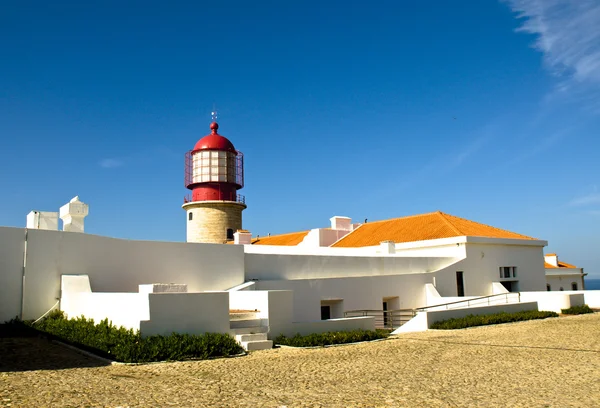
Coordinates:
[239,198]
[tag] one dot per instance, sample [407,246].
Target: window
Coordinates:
[573,285]
[548,288]
[229,233]
[508,272]
[190,216]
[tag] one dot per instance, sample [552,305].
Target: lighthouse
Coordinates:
[214,171]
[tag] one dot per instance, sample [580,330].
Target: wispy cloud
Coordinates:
[589,199]
[111,163]
[568,34]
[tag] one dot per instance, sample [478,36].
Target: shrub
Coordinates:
[323,339]
[497,318]
[575,310]
[128,346]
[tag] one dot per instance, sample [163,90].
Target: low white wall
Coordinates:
[280,306]
[322,326]
[498,288]
[591,298]
[554,301]
[424,320]
[122,309]
[118,265]
[250,300]
[191,313]
[12,243]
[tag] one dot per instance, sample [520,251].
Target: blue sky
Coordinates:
[485,110]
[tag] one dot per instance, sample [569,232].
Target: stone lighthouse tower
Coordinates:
[214,171]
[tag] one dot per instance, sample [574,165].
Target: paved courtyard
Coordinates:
[549,363]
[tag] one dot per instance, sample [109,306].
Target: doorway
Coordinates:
[325,312]
[389,304]
[332,309]
[460,284]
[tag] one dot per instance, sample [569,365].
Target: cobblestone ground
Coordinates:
[548,363]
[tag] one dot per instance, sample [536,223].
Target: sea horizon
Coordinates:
[592,284]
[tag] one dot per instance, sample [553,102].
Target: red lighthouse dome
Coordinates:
[214,169]
[214,141]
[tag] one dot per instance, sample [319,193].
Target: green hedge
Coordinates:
[323,339]
[128,346]
[574,310]
[482,320]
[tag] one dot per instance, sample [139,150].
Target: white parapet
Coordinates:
[42,220]
[72,215]
[163,288]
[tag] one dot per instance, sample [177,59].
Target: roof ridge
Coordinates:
[487,225]
[454,228]
[401,218]
[280,235]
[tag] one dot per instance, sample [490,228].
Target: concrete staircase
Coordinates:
[251,334]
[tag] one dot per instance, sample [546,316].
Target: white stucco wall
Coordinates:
[263,266]
[116,265]
[12,242]
[557,281]
[554,301]
[122,309]
[481,268]
[187,313]
[590,297]
[357,293]
[424,320]
[322,326]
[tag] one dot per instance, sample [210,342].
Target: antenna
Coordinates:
[214,113]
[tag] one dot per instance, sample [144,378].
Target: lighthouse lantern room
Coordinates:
[214,171]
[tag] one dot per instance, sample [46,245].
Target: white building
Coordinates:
[561,275]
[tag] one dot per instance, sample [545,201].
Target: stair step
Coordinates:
[251,337]
[257,345]
[250,330]
[234,324]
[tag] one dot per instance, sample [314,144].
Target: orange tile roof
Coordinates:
[420,228]
[560,265]
[293,238]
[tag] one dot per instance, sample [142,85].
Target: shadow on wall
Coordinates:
[23,349]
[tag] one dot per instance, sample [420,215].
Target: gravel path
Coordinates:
[547,363]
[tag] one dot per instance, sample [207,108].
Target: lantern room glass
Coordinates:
[213,166]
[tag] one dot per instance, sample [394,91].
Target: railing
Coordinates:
[385,319]
[392,319]
[239,198]
[499,299]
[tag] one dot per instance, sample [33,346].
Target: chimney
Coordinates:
[73,214]
[42,220]
[387,247]
[242,237]
[552,259]
[341,223]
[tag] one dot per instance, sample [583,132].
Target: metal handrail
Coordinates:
[239,198]
[388,319]
[421,309]
[391,319]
